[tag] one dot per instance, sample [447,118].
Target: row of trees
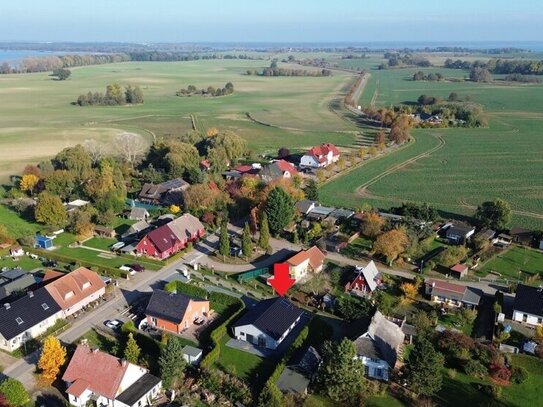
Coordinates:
[115,95]
[432,77]
[396,60]
[210,91]
[500,66]
[274,70]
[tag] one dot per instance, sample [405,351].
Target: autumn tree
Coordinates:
[53,356]
[50,211]
[538,337]
[28,183]
[283,152]
[246,242]
[132,350]
[264,238]
[175,209]
[171,362]
[391,244]
[95,149]
[372,224]
[409,291]
[452,255]
[76,160]
[81,222]
[14,392]
[60,183]
[280,210]
[204,197]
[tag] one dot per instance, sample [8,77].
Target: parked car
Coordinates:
[113,324]
[129,269]
[138,267]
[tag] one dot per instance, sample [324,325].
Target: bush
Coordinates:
[475,368]
[519,374]
[15,393]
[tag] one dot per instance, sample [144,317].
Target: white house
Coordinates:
[320,156]
[268,323]
[459,233]
[304,262]
[26,318]
[108,381]
[528,305]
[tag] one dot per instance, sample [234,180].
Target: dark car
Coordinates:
[137,267]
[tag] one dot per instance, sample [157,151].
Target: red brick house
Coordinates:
[171,237]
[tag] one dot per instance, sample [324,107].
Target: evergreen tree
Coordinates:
[132,350]
[423,368]
[224,241]
[264,239]
[311,191]
[341,376]
[280,210]
[52,357]
[246,243]
[171,362]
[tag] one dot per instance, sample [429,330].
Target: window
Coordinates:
[19,320]
[45,306]
[539,320]
[524,317]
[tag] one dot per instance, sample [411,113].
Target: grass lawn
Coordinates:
[244,365]
[17,226]
[529,393]
[383,401]
[454,320]
[100,243]
[357,247]
[98,340]
[516,259]
[24,262]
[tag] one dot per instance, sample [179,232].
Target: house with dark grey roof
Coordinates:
[453,295]
[379,347]
[165,193]
[140,392]
[528,305]
[459,233]
[300,371]
[268,323]
[15,281]
[305,206]
[26,318]
[175,312]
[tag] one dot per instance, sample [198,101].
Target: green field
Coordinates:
[514,260]
[504,160]
[38,119]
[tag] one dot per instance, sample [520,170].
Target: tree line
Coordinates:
[454,111]
[274,70]
[209,91]
[115,95]
[499,66]
[396,60]
[431,77]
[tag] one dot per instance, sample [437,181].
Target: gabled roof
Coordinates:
[51,275]
[138,213]
[185,226]
[74,287]
[163,238]
[169,306]
[300,369]
[305,205]
[460,229]
[454,291]
[365,346]
[323,149]
[98,371]
[272,316]
[13,274]
[32,309]
[315,256]
[370,273]
[192,351]
[459,268]
[529,300]
[19,284]
[388,337]
[136,228]
[152,191]
[138,389]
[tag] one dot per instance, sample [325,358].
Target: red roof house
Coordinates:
[320,156]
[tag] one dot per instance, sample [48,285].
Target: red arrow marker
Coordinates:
[281,280]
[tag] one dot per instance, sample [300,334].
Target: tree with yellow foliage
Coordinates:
[174,209]
[28,183]
[212,132]
[391,244]
[409,291]
[53,356]
[538,337]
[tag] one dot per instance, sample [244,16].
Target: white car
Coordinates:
[130,270]
[113,324]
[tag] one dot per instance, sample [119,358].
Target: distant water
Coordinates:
[14,56]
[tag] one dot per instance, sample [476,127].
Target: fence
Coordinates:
[251,275]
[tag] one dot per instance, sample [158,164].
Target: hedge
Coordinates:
[195,291]
[108,271]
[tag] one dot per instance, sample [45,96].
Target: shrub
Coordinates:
[15,393]
[519,374]
[475,368]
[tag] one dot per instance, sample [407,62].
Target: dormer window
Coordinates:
[19,320]
[69,294]
[86,284]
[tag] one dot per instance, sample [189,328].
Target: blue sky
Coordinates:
[271,21]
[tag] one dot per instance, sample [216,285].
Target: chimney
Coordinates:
[123,362]
[31,294]
[7,306]
[95,350]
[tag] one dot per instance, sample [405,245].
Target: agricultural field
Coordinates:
[504,160]
[38,119]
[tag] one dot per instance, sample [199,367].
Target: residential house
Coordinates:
[379,348]
[136,230]
[305,206]
[453,295]
[26,318]
[43,242]
[300,371]
[166,193]
[170,238]
[15,281]
[268,323]
[320,156]
[522,236]
[335,242]
[459,270]
[277,170]
[192,355]
[76,290]
[319,213]
[16,251]
[174,312]
[137,213]
[366,281]
[104,231]
[357,220]
[306,261]
[242,171]
[528,305]
[459,233]
[105,380]
[502,240]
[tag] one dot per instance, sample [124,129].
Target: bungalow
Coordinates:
[528,305]
[268,323]
[174,312]
[305,261]
[277,170]
[305,206]
[26,318]
[459,233]
[170,238]
[379,347]
[366,281]
[105,380]
[453,295]
[75,290]
[459,271]
[104,231]
[165,193]
[299,371]
[320,156]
